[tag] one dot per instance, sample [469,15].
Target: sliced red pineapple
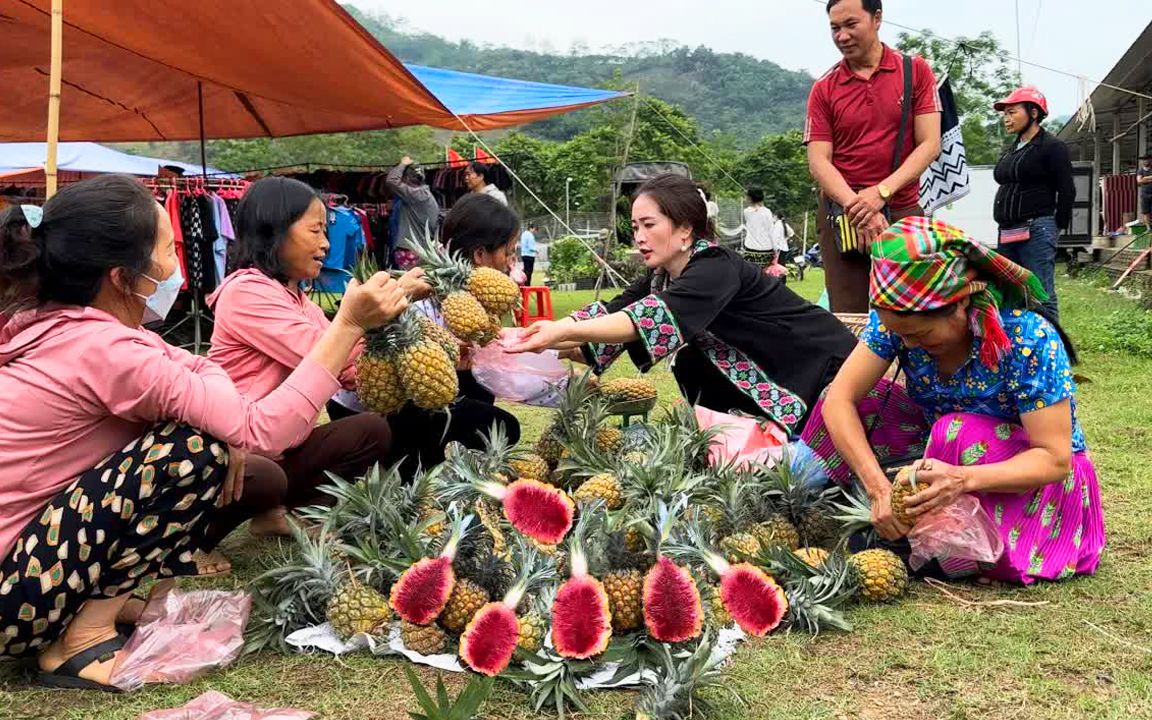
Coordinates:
[540,511]
[422,591]
[581,617]
[489,642]
[673,611]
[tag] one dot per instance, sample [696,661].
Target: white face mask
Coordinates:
[157,306]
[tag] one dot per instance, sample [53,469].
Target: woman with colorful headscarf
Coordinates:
[993,379]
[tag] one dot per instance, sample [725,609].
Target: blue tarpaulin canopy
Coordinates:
[484,101]
[85,157]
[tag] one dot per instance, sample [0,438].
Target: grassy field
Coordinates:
[1080,649]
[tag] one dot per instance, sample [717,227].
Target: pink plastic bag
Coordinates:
[529,378]
[746,440]
[182,636]
[214,705]
[958,533]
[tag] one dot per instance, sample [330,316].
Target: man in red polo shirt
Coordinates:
[854,114]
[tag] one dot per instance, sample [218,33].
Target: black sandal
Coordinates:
[67,676]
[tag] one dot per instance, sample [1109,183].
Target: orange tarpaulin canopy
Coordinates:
[131,70]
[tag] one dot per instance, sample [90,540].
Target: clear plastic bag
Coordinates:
[214,705]
[182,636]
[959,531]
[529,378]
[743,439]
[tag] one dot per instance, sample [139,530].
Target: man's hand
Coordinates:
[864,206]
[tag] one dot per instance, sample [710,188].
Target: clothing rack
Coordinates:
[228,188]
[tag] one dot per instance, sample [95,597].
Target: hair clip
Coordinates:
[34,214]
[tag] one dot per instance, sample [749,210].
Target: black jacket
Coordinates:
[1035,181]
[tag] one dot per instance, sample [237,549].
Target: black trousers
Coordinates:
[529,265]
[419,436]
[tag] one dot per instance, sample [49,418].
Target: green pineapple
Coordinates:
[1049,513]
[1003,431]
[1033,504]
[1013,538]
[999,513]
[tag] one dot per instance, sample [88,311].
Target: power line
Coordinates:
[958,43]
[691,142]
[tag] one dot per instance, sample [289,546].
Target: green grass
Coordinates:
[1086,652]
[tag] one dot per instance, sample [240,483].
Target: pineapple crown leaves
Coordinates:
[497,450]
[855,513]
[552,681]
[592,516]
[667,515]
[691,546]
[460,523]
[680,678]
[535,570]
[815,600]
[794,484]
[402,332]
[445,272]
[464,707]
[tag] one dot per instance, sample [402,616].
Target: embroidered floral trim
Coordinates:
[599,355]
[656,326]
[779,403]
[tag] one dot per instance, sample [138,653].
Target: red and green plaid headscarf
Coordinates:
[922,264]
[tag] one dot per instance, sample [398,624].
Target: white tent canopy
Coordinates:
[86,157]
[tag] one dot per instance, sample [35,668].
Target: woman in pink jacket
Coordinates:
[266,325]
[118,452]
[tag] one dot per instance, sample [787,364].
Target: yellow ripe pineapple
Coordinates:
[497,292]
[605,487]
[356,609]
[531,466]
[902,489]
[609,440]
[441,337]
[634,540]
[466,599]
[627,390]
[777,530]
[423,639]
[489,517]
[532,629]
[465,317]
[429,375]
[816,557]
[718,615]
[378,384]
[740,547]
[427,512]
[625,589]
[882,575]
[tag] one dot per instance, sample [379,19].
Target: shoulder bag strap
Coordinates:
[906,113]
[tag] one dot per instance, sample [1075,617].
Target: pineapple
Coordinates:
[604,487]
[532,630]
[739,547]
[550,446]
[577,396]
[777,530]
[378,384]
[816,557]
[531,466]
[718,615]
[680,678]
[423,639]
[467,597]
[356,609]
[903,487]
[881,574]
[497,292]
[609,440]
[400,362]
[625,590]
[627,390]
[442,337]
[634,540]
[465,317]
[792,488]
[429,375]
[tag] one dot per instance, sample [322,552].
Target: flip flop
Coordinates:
[67,676]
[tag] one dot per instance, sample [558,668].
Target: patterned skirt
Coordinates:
[139,514]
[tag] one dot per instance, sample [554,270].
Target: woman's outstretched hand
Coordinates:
[537,337]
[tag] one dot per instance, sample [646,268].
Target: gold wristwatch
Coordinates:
[885,192]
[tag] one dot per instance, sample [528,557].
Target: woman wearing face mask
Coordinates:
[266,325]
[483,231]
[1034,202]
[739,340]
[115,459]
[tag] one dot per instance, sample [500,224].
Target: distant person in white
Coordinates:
[476,178]
[763,231]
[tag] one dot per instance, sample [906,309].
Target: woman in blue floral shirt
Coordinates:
[994,382]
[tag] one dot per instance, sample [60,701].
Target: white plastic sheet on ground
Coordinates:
[323,637]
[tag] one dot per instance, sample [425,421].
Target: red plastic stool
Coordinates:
[543,298]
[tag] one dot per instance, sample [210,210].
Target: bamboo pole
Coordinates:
[54,84]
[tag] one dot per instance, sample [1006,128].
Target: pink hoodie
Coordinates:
[263,330]
[78,385]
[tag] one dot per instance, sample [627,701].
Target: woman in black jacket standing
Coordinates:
[1034,202]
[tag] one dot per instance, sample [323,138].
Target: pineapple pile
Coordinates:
[590,547]
[472,300]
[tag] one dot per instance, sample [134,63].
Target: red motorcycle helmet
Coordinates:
[1025,95]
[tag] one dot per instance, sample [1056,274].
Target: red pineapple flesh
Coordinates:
[581,616]
[489,641]
[422,591]
[673,611]
[540,511]
[753,599]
